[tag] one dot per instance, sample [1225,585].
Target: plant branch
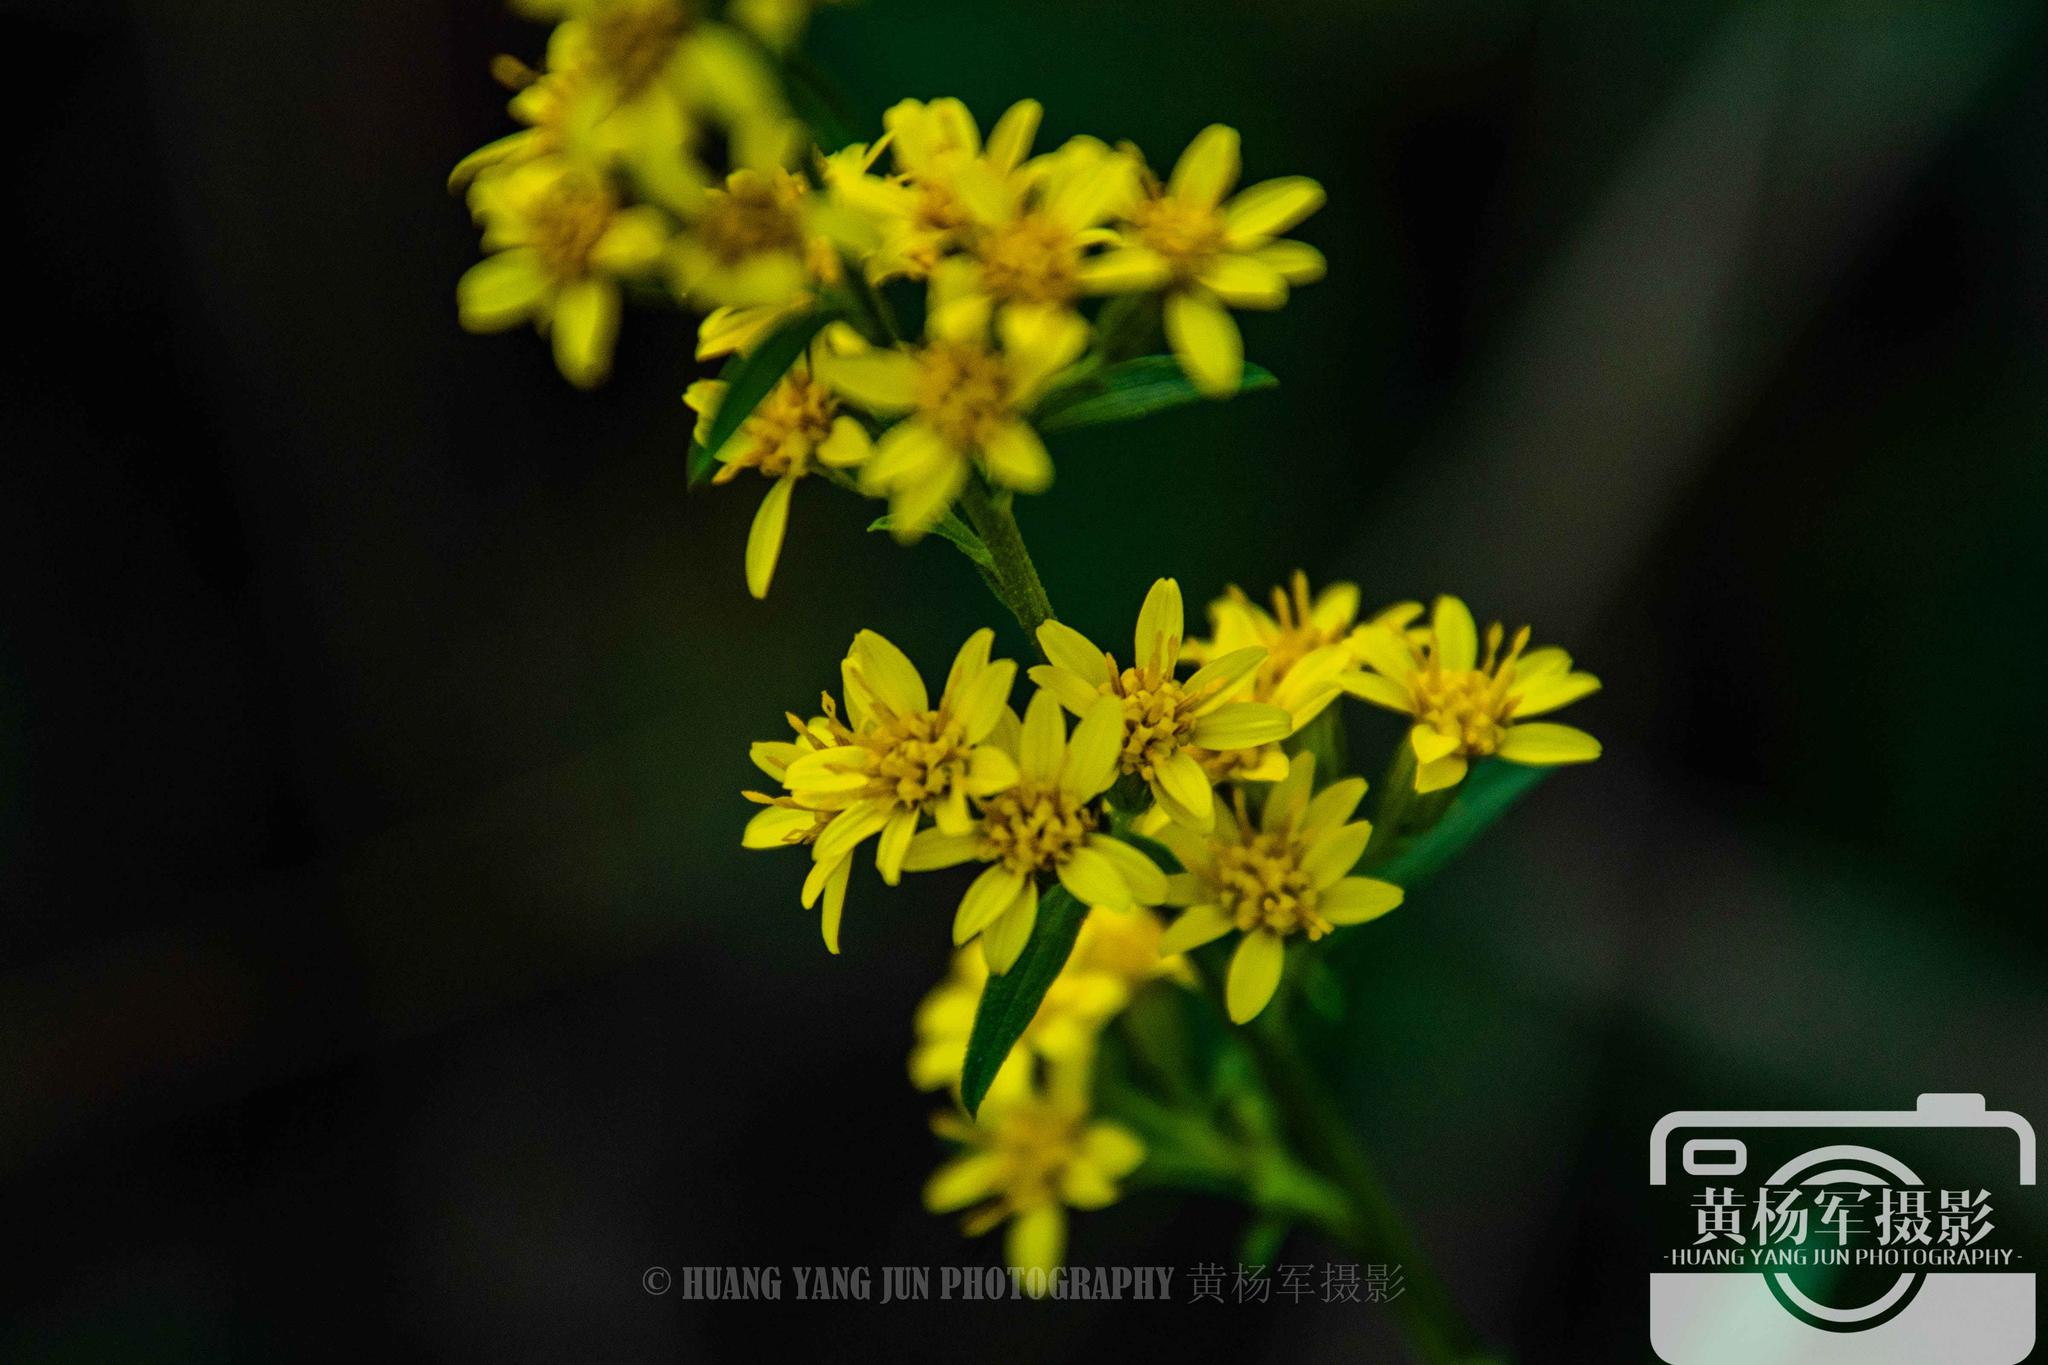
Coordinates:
[1015,579]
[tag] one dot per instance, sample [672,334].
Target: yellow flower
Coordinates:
[1211,256]
[796,426]
[786,822]
[1466,707]
[1046,823]
[1115,954]
[897,757]
[1288,875]
[1166,721]
[963,403]
[934,145]
[764,240]
[1029,235]
[556,107]
[777,23]
[1029,1157]
[561,241]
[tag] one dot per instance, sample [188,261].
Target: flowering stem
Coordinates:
[1374,1228]
[1015,579]
[1397,791]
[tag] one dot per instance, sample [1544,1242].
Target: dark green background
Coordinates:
[383,974]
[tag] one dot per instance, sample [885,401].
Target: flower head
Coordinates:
[1029,1156]
[561,241]
[1212,256]
[962,401]
[795,429]
[1167,720]
[1047,823]
[924,207]
[1114,956]
[1467,706]
[894,759]
[1284,875]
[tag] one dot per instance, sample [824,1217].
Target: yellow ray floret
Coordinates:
[1465,706]
[1167,721]
[1286,874]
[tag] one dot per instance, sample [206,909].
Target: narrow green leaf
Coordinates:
[950,528]
[1009,1001]
[1130,390]
[1486,795]
[748,379]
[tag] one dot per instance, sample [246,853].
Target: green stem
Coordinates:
[1397,792]
[1377,1232]
[1015,579]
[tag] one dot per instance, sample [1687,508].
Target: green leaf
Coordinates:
[748,379]
[950,528]
[1009,1001]
[1128,391]
[1485,796]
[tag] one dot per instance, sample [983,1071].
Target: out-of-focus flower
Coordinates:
[1165,719]
[962,402]
[1116,953]
[922,207]
[1287,874]
[777,23]
[1045,823]
[1468,707]
[764,240]
[1028,1157]
[560,242]
[795,428]
[1210,256]
[557,109]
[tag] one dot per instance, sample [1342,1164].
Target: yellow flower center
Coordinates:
[566,222]
[918,756]
[1035,1140]
[785,431]
[1158,719]
[1260,884]
[634,38]
[1033,829]
[1187,235]
[963,392]
[1470,705]
[1298,635]
[749,217]
[1031,259]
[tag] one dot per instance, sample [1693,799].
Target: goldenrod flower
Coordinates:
[963,402]
[561,241]
[1466,707]
[786,822]
[1029,1157]
[1046,823]
[1029,237]
[763,240]
[934,145]
[796,425]
[1116,953]
[556,107]
[1166,720]
[1287,875]
[897,757]
[1210,256]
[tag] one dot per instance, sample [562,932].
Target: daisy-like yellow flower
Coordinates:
[1286,875]
[763,241]
[1046,823]
[1167,721]
[1114,956]
[556,108]
[786,822]
[897,757]
[796,427]
[560,242]
[962,402]
[921,206]
[1466,706]
[1030,236]
[1210,256]
[1028,1157]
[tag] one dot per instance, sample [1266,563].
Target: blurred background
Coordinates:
[382,971]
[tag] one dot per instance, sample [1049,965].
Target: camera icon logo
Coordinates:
[1840,1237]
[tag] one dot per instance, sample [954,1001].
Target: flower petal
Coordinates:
[764,539]
[988,895]
[1547,692]
[890,676]
[1254,974]
[883,382]
[1245,282]
[1037,1240]
[1161,623]
[1016,458]
[1544,744]
[1043,746]
[1207,168]
[1093,749]
[1457,638]
[1332,854]
[1094,880]
[1140,873]
[1198,924]
[1206,341]
[1183,789]
[1068,648]
[1354,900]
[1269,208]
[1243,725]
[1002,943]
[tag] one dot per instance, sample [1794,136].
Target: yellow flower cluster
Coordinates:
[606,188]
[1034,1150]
